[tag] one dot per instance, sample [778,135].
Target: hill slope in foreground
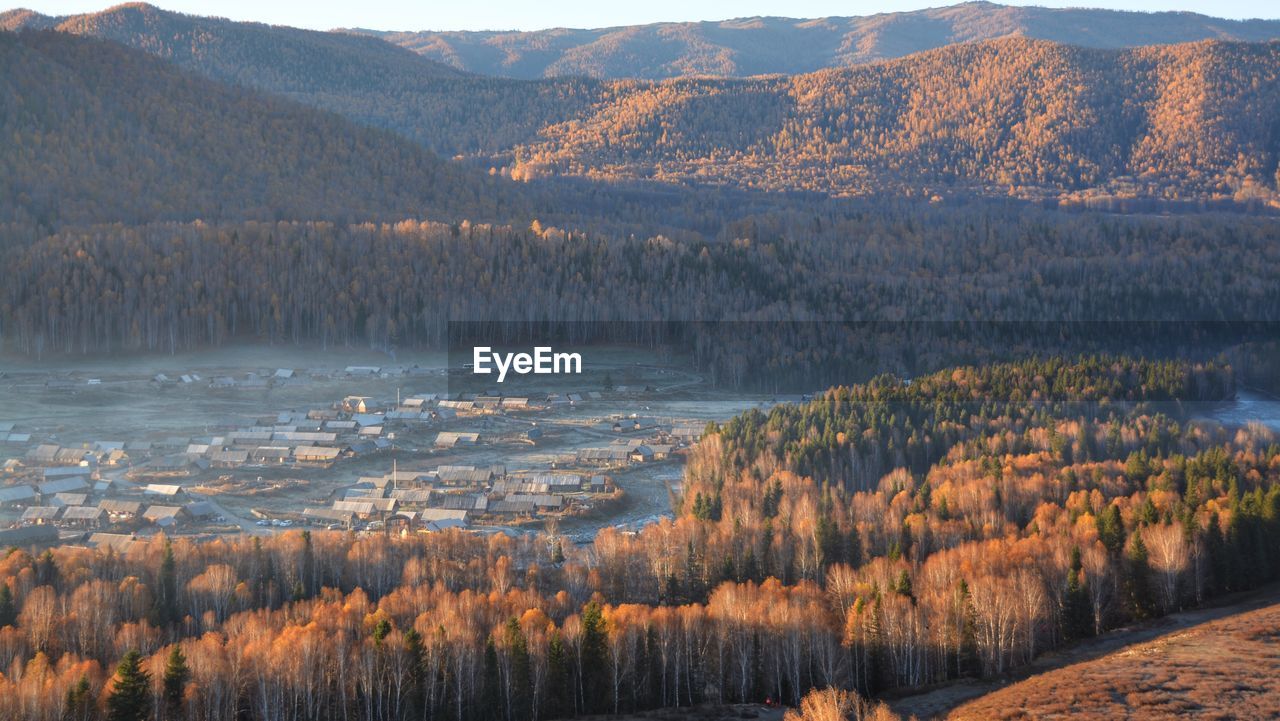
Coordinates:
[1201,663]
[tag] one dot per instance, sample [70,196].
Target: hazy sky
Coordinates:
[535,14]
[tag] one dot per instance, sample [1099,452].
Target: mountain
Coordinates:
[366,79]
[278,59]
[772,45]
[1012,116]
[98,132]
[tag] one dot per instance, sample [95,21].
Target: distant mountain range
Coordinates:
[771,45]
[1009,116]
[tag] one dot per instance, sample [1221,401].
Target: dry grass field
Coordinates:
[1221,669]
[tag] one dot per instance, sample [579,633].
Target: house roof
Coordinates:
[513,507]
[120,507]
[82,513]
[229,456]
[11,494]
[412,495]
[30,534]
[443,514]
[41,513]
[162,489]
[69,499]
[121,542]
[316,453]
[156,513]
[49,488]
[363,508]
[201,508]
[328,514]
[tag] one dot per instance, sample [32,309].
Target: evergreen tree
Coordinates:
[519,683]
[595,659]
[380,630]
[130,698]
[8,610]
[1111,528]
[1137,579]
[903,585]
[306,573]
[416,695]
[1077,614]
[47,573]
[165,606]
[176,675]
[557,704]
[78,705]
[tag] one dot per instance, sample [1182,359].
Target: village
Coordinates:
[376,456]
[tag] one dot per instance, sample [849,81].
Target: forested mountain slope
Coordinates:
[366,79]
[1007,116]
[397,284]
[768,45]
[1013,116]
[276,58]
[98,132]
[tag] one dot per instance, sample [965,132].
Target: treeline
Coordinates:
[805,283]
[1014,543]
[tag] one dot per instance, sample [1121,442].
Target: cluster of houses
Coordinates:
[639,440]
[78,503]
[281,377]
[452,496]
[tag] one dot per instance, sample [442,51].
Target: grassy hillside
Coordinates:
[1223,668]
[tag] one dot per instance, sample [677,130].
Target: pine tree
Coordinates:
[557,703]
[903,585]
[307,563]
[416,695]
[8,611]
[1138,596]
[130,698]
[47,573]
[381,630]
[1111,528]
[1077,614]
[519,682]
[165,605]
[79,701]
[595,659]
[176,675]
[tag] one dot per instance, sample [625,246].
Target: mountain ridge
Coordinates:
[744,47]
[1014,116]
